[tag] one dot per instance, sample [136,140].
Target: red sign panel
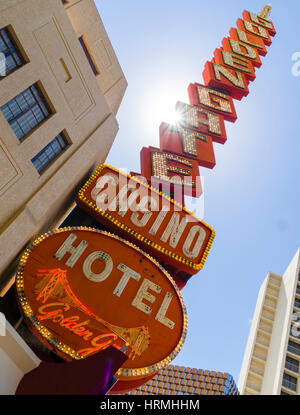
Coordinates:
[170,171]
[236,62]
[259,21]
[203,121]
[254,29]
[142,214]
[192,144]
[248,39]
[242,49]
[231,80]
[213,100]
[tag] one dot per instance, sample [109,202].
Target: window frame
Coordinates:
[10,33]
[291,344]
[64,136]
[291,363]
[287,383]
[40,98]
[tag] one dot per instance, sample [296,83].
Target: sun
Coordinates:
[160,101]
[162,105]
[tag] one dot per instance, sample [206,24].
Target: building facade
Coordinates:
[59,96]
[174,380]
[60,89]
[272,356]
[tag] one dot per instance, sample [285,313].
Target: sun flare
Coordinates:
[160,104]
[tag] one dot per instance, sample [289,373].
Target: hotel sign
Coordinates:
[82,290]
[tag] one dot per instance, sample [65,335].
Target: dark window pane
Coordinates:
[45,111]
[14,108]
[294,347]
[292,364]
[17,130]
[62,141]
[55,147]
[6,37]
[10,64]
[29,98]
[2,45]
[6,112]
[26,111]
[38,114]
[21,102]
[289,382]
[8,48]
[30,119]
[17,59]
[24,124]
[49,153]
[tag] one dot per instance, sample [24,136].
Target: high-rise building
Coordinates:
[60,89]
[174,380]
[272,357]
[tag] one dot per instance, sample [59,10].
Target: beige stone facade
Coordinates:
[82,85]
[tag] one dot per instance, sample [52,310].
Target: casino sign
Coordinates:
[150,219]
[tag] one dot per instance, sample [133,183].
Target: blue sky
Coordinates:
[252,196]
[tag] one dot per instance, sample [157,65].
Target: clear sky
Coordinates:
[252,196]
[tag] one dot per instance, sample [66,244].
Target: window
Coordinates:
[294,347]
[292,364]
[11,53]
[297,303]
[26,111]
[49,153]
[88,55]
[289,382]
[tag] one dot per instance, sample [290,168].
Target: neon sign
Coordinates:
[166,230]
[226,77]
[82,290]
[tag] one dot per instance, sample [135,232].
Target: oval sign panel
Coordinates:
[83,290]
